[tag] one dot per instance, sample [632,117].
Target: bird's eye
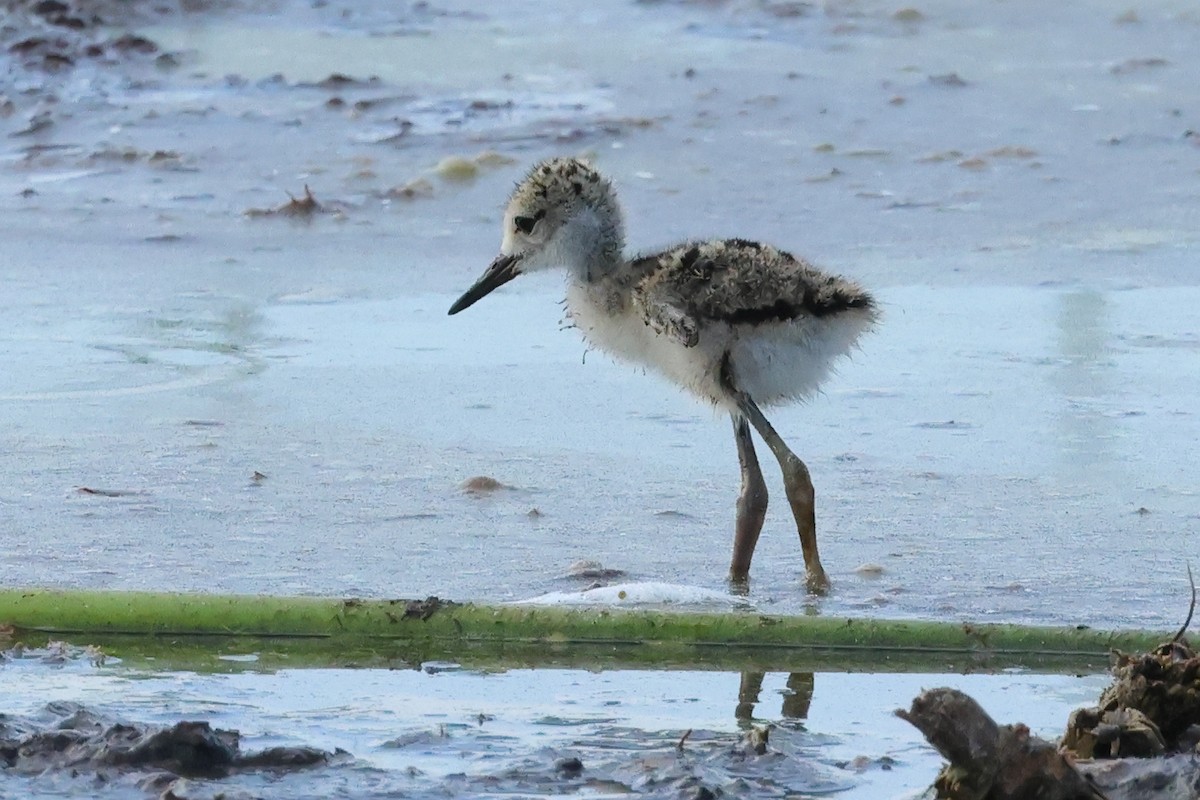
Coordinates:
[525,224]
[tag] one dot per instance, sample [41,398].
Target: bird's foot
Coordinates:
[816,581]
[739,584]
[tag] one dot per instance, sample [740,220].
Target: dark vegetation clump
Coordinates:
[1151,708]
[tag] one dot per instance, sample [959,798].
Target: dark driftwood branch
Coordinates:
[990,761]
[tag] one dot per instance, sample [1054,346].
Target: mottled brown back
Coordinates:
[738,281]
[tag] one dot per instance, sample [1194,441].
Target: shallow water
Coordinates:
[1024,430]
[442,731]
[1011,444]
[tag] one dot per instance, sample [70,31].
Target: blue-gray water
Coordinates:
[1017,183]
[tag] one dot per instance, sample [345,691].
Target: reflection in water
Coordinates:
[796,701]
[1083,378]
[114,353]
[206,325]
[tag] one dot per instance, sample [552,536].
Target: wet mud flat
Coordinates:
[68,738]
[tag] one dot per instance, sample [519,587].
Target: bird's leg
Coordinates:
[796,482]
[751,504]
[798,486]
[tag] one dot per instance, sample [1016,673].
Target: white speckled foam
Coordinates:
[641,595]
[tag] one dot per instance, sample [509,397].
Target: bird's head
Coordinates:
[563,214]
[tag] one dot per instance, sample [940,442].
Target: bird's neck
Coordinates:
[594,246]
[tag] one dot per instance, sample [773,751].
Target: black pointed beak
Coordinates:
[501,271]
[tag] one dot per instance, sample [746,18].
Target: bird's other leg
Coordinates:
[799,701]
[751,505]
[798,485]
[796,482]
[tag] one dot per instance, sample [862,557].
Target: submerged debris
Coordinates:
[452,169]
[949,79]
[908,14]
[755,740]
[132,43]
[939,157]
[53,37]
[482,484]
[339,80]
[303,208]
[37,122]
[112,492]
[1137,65]
[490,158]
[592,570]
[1012,151]
[416,188]
[456,168]
[569,767]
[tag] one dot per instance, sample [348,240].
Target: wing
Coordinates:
[741,282]
[666,312]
